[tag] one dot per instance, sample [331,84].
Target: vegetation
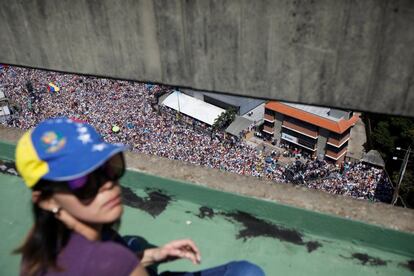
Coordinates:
[385,133]
[225,119]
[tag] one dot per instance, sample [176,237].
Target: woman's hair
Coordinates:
[47,237]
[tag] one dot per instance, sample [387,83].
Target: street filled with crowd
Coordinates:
[128,112]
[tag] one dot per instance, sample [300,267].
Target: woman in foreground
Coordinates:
[74,176]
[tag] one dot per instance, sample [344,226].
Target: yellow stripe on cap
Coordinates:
[28,163]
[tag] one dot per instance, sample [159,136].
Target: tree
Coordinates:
[382,139]
[224,119]
[389,132]
[407,187]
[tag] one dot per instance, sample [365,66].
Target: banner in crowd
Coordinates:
[77,120]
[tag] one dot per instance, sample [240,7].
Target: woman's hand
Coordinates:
[173,250]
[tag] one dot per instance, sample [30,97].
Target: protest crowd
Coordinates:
[149,128]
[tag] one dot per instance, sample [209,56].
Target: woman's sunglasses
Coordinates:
[87,187]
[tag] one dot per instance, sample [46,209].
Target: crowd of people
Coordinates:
[357,180]
[150,128]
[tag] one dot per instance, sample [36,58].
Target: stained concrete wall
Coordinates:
[349,54]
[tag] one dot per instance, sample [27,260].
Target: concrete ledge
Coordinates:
[330,53]
[380,214]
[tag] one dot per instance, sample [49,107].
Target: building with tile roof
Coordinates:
[321,132]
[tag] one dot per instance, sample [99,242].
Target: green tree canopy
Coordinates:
[389,132]
[225,119]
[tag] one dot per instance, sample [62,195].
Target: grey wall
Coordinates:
[278,127]
[322,140]
[343,53]
[245,104]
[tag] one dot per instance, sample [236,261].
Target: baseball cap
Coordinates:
[61,149]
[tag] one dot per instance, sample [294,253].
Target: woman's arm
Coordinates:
[173,250]
[139,271]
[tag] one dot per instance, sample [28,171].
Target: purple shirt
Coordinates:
[84,257]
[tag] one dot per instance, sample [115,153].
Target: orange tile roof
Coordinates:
[339,127]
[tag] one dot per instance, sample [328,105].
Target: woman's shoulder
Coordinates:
[97,258]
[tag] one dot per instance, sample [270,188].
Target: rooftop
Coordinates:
[324,112]
[319,116]
[193,107]
[285,229]
[229,99]
[239,124]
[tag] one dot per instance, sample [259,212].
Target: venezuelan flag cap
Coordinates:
[61,149]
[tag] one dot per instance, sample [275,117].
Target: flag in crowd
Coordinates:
[53,87]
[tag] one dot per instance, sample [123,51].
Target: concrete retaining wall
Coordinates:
[349,54]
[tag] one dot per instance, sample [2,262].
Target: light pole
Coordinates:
[401,175]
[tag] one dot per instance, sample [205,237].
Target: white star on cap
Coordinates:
[69,121]
[98,147]
[85,138]
[59,121]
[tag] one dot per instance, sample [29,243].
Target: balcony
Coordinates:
[269,130]
[269,118]
[334,155]
[299,129]
[338,143]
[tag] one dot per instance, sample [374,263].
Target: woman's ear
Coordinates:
[36,196]
[47,204]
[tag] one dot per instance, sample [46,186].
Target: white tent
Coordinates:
[193,107]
